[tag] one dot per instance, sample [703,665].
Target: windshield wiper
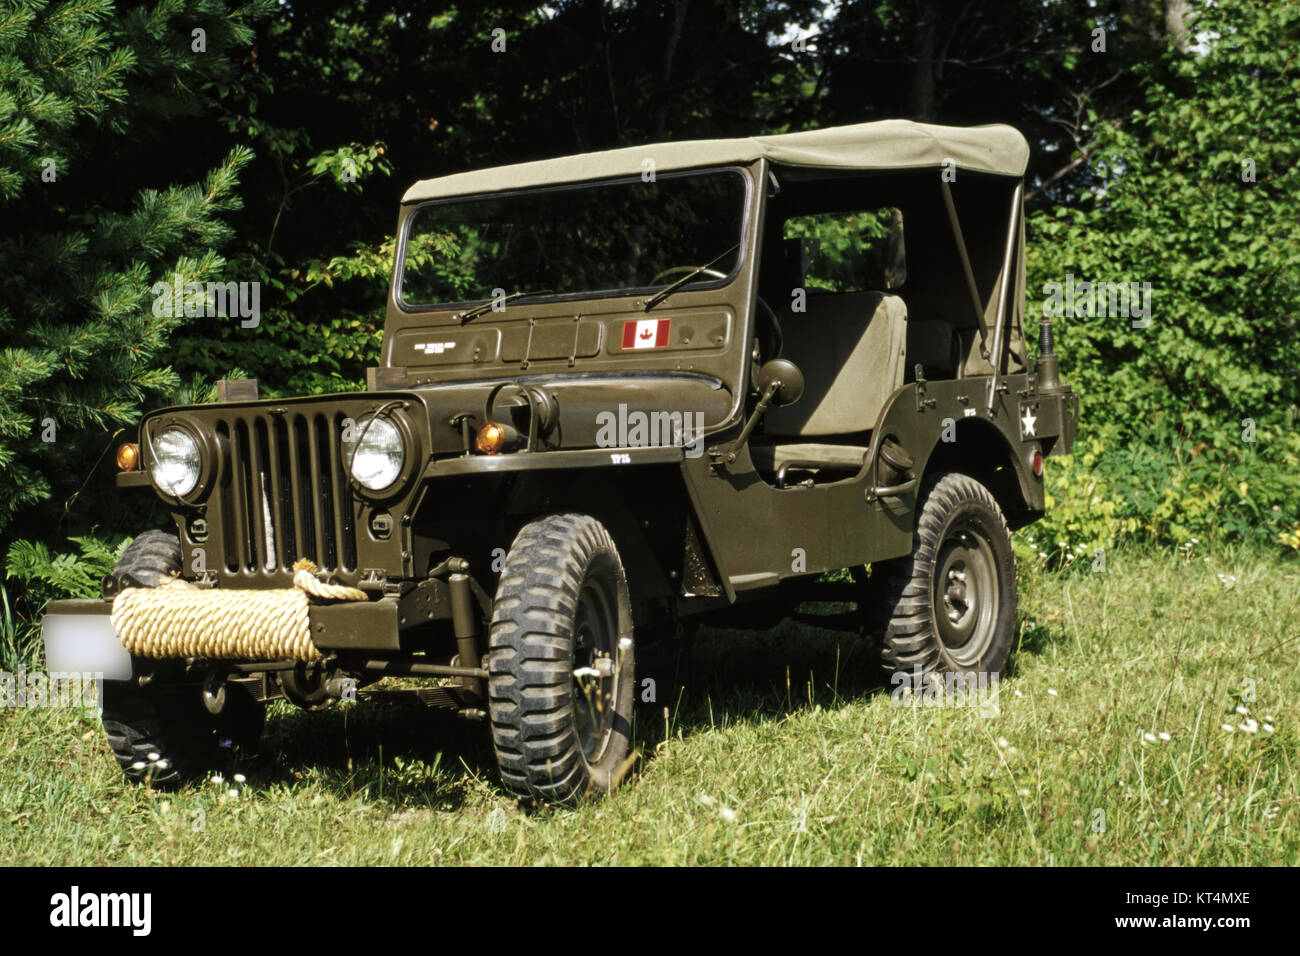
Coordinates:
[480,309]
[672,287]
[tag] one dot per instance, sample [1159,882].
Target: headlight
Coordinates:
[374,448]
[175,462]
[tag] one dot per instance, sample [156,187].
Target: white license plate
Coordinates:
[84,643]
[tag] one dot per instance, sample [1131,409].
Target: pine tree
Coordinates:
[91,219]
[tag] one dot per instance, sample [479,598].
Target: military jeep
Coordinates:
[617,392]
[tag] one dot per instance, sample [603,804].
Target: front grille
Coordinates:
[282,492]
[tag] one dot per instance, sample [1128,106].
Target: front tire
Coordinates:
[160,732]
[561,666]
[951,604]
[162,735]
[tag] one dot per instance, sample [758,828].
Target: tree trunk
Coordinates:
[1176,23]
[659,122]
[922,88]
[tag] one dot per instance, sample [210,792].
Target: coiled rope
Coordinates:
[178,619]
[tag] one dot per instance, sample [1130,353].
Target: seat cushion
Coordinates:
[770,458]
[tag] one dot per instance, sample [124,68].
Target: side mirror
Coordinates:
[787,378]
[781,383]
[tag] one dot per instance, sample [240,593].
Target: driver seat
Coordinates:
[850,347]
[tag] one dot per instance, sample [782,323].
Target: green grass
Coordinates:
[770,731]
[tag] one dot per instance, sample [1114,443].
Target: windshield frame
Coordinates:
[534,299]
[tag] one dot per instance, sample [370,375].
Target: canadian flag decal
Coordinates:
[646,333]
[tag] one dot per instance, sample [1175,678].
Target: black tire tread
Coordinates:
[148,561]
[530,678]
[161,734]
[901,602]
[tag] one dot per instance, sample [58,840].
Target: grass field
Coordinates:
[779,748]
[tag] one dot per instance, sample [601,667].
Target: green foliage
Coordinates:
[44,577]
[1167,492]
[310,339]
[347,165]
[68,575]
[846,252]
[1222,254]
[90,229]
[1199,195]
[348,102]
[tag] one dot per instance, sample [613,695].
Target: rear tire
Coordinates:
[951,604]
[561,664]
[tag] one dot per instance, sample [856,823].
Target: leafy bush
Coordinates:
[46,577]
[89,92]
[1165,491]
[1198,196]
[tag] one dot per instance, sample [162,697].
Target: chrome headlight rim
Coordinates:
[152,431]
[406,443]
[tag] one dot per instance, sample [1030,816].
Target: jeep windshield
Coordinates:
[623,237]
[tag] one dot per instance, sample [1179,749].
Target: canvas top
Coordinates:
[887,144]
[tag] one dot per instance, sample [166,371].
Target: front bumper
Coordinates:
[79,635]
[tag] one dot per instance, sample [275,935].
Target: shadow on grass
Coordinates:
[409,756]
[399,754]
[755,677]
[762,674]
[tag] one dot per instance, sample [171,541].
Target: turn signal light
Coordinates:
[491,438]
[128,456]
[1036,462]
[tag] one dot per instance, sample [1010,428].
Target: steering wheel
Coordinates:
[674,269]
[778,337]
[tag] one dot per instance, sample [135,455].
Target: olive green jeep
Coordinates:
[617,392]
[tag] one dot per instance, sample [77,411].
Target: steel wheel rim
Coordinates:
[966,594]
[595,635]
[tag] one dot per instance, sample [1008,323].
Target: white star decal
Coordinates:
[1029,421]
